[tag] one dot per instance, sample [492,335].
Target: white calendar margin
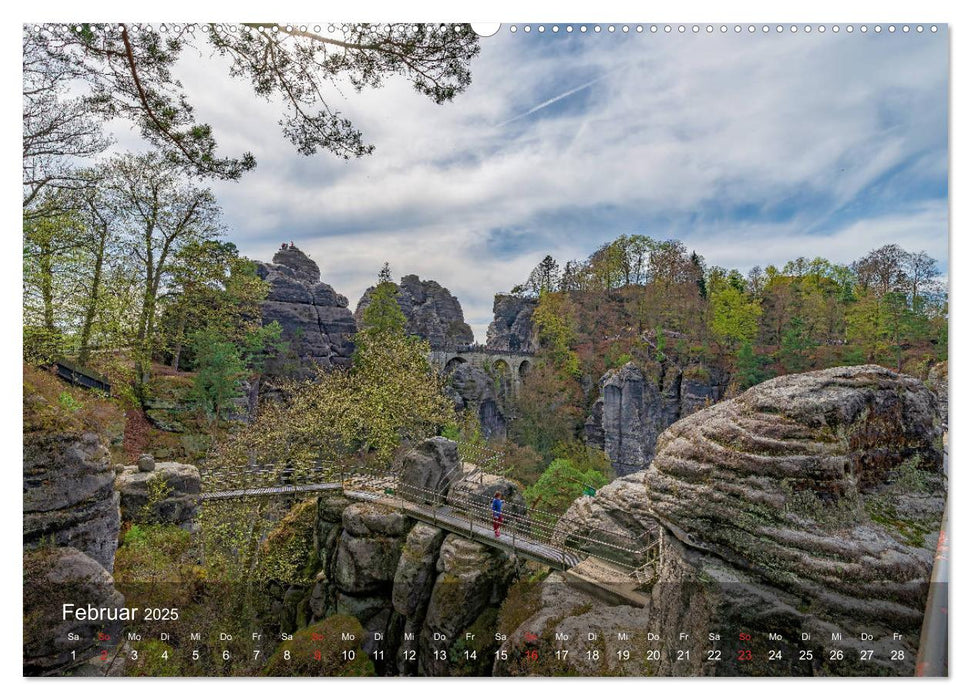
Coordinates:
[925,11]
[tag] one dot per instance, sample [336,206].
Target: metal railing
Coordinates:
[532,532]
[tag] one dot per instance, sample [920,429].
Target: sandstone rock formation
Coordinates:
[472,389]
[402,579]
[69,496]
[432,312]
[315,319]
[429,469]
[472,577]
[168,494]
[634,408]
[511,329]
[808,504]
[54,576]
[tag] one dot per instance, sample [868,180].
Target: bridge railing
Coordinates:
[533,526]
[217,478]
[564,538]
[486,350]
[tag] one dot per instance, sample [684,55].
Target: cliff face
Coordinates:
[511,329]
[809,504]
[69,496]
[315,319]
[433,313]
[472,389]
[634,408]
[71,521]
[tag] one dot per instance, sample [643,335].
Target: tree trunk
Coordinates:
[92,302]
[47,286]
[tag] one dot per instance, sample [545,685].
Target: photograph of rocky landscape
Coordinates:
[503,366]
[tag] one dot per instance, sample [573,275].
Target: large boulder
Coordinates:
[69,496]
[415,575]
[808,504]
[476,489]
[54,576]
[432,312]
[511,329]
[429,469]
[168,494]
[315,319]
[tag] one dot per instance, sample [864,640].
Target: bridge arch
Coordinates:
[524,368]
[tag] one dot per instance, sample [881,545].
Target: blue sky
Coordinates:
[752,149]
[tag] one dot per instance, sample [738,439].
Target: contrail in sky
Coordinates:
[547,103]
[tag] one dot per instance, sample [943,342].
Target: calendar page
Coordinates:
[463,350]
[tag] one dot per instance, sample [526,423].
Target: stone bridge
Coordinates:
[509,367]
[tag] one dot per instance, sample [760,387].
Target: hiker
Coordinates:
[497,512]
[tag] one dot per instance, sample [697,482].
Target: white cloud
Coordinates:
[567,142]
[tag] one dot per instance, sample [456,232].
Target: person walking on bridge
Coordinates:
[496,512]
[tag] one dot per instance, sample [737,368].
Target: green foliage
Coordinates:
[383,315]
[522,463]
[734,318]
[154,553]
[158,490]
[42,345]
[795,347]
[553,319]
[219,371]
[560,485]
[750,367]
[287,554]
[68,402]
[390,394]
[547,409]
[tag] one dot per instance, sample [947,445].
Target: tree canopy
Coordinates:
[128,72]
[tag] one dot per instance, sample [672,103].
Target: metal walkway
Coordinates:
[614,561]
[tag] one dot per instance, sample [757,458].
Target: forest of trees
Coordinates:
[657,303]
[125,259]
[888,307]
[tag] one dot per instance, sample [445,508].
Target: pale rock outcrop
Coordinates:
[808,504]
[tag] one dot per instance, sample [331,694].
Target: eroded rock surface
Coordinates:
[429,469]
[69,496]
[432,312]
[511,329]
[471,388]
[810,503]
[315,319]
[168,494]
[635,407]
